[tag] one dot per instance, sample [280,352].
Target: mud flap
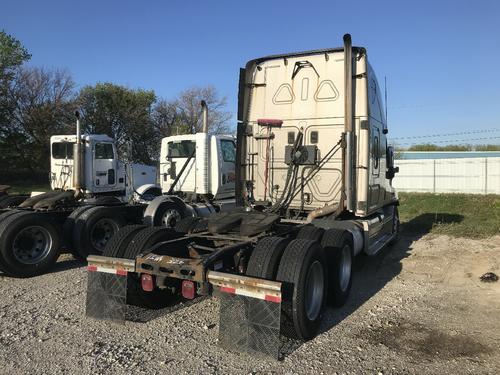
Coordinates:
[106,296]
[249,325]
[250,313]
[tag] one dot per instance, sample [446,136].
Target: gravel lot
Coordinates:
[416,308]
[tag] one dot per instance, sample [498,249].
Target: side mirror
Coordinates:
[391,169]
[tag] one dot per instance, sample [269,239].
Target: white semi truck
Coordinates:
[94,194]
[313,187]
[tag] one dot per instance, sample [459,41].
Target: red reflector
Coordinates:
[272,298]
[92,268]
[121,272]
[227,289]
[147,282]
[188,289]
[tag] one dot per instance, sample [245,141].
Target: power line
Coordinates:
[452,141]
[448,134]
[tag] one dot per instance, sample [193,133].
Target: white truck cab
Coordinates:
[103,171]
[198,163]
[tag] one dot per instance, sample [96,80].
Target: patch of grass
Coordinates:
[458,215]
[27,189]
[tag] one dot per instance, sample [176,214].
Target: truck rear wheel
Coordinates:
[8,213]
[68,226]
[116,247]
[141,242]
[310,232]
[94,228]
[303,272]
[13,201]
[266,256]
[338,247]
[29,246]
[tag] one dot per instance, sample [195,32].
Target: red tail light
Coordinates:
[147,282]
[188,289]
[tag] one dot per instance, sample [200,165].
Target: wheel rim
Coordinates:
[315,285]
[101,233]
[32,244]
[345,268]
[170,218]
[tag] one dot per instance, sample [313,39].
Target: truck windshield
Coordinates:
[62,150]
[182,149]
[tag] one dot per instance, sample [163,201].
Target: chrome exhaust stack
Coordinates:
[78,166]
[349,170]
[204,116]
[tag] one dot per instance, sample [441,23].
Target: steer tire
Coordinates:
[158,298]
[338,248]
[310,232]
[88,238]
[156,219]
[29,230]
[266,256]
[116,246]
[301,259]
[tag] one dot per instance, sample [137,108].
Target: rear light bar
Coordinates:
[274,123]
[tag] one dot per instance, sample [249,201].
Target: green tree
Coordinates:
[124,114]
[41,104]
[12,56]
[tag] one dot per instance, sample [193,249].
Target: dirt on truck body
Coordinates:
[313,187]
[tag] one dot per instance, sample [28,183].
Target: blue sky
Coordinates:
[441,58]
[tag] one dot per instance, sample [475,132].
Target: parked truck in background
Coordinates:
[94,194]
[313,187]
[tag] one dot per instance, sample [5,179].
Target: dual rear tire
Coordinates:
[131,241]
[315,269]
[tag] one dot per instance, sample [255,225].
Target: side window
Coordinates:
[62,150]
[228,151]
[104,151]
[182,149]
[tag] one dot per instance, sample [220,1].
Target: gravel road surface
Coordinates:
[416,308]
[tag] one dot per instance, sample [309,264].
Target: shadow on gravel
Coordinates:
[371,274]
[67,264]
[60,266]
[142,315]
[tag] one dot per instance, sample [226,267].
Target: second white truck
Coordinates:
[94,194]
